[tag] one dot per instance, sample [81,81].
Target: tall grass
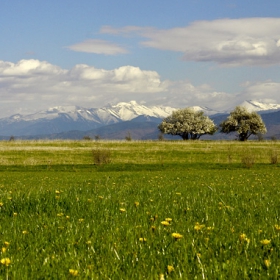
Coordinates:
[72,219]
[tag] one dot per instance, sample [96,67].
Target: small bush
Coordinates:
[101,156]
[273,157]
[161,137]
[248,160]
[86,137]
[128,137]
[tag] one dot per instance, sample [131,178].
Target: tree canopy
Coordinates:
[187,123]
[245,123]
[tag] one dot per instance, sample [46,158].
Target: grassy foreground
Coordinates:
[158,210]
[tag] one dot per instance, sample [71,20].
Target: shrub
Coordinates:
[101,156]
[273,157]
[248,160]
[128,137]
[161,137]
[86,137]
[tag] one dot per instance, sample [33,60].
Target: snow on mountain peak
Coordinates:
[259,106]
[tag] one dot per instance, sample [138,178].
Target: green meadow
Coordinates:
[153,210]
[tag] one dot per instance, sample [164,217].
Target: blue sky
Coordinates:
[176,53]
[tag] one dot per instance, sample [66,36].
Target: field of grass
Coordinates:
[158,210]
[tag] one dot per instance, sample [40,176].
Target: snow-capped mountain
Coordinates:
[261,107]
[68,118]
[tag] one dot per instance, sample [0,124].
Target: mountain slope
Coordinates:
[66,122]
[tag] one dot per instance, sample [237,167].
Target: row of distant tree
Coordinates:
[191,124]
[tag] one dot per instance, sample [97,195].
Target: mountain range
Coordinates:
[115,121]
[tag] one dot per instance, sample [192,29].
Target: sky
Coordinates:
[175,53]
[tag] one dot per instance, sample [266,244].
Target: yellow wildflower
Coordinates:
[168,220]
[6,243]
[57,192]
[198,226]
[101,197]
[161,276]
[81,220]
[177,235]
[122,210]
[277,227]
[5,261]
[242,236]
[265,242]
[15,214]
[73,272]
[1,204]
[170,268]
[88,242]
[136,203]
[59,214]
[267,263]
[24,232]
[141,239]
[153,228]
[165,223]
[4,249]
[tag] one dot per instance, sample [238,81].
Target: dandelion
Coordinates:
[67,217]
[59,214]
[15,214]
[265,242]
[6,243]
[267,263]
[1,204]
[136,203]
[24,232]
[73,272]
[198,226]
[177,235]
[165,223]
[153,228]
[168,220]
[88,242]
[122,210]
[57,192]
[4,249]
[277,227]
[5,261]
[170,268]
[141,239]
[161,276]
[243,237]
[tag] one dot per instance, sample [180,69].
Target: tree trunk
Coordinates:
[185,136]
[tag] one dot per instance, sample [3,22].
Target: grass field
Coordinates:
[158,210]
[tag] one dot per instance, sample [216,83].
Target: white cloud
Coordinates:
[98,46]
[33,85]
[228,42]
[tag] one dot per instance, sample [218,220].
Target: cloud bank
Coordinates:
[228,42]
[98,46]
[32,85]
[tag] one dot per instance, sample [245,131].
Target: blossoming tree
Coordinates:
[187,123]
[245,123]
